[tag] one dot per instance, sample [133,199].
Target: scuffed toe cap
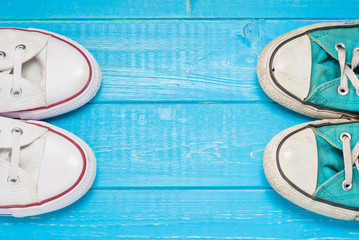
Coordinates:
[298,160]
[292,66]
[67,71]
[61,166]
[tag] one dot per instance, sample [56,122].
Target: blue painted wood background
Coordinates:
[180,123]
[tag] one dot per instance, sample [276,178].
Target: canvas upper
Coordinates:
[307,67]
[42,168]
[312,161]
[44,74]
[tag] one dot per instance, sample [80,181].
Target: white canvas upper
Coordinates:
[10,38]
[42,74]
[32,141]
[52,164]
[57,76]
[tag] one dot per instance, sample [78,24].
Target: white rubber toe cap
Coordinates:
[292,66]
[61,166]
[67,71]
[298,160]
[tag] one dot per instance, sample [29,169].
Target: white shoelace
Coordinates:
[19,54]
[350,158]
[13,176]
[345,71]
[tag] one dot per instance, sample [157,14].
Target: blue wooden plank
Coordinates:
[186,9]
[177,214]
[93,9]
[179,144]
[175,60]
[274,9]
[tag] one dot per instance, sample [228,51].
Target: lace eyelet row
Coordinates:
[346,186]
[343,136]
[17,130]
[2,55]
[20,46]
[341,89]
[14,93]
[14,181]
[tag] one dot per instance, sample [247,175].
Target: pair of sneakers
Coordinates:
[42,167]
[314,70]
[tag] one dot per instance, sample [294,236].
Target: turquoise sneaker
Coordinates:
[313,70]
[315,165]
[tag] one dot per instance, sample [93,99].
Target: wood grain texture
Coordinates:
[179,214]
[175,61]
[184,9]
[180,123]
[179,144]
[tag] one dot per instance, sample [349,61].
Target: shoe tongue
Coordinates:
[328,38]
[330,160]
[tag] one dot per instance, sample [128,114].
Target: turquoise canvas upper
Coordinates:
[325,74]
[331,165]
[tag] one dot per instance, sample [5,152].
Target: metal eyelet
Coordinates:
[21,46]
[342,91]
[344,135]
[16,93]
[17,130]
[339,46]
[13,181]
[347,187]
[2,54]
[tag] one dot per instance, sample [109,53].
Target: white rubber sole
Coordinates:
[72,104]
[68,198]
[275,93]
[280,185]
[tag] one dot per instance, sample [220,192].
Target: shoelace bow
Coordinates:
[13,177]
[347,72]
[350,158]
[19,55]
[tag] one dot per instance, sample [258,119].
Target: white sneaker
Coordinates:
[43,74]
[42,168]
